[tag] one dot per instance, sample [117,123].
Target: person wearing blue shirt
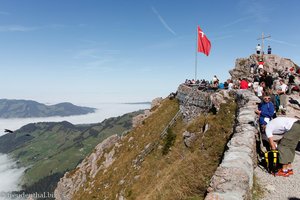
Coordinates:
[265,111]
[221,85]
[269,50]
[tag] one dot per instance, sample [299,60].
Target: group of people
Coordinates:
[273,94]
[288,127]
[260,51]
[214,84]
[271,124]
[272,89]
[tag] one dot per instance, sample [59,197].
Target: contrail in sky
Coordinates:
[4,13]
[282,42]
[238,21]
[164,23]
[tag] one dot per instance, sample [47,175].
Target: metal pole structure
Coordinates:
[196,54]
[262,42]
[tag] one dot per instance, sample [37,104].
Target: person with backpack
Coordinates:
[290,129]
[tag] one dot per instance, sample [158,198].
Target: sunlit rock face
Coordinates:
[273,64]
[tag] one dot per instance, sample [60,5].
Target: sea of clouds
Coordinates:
[10,175]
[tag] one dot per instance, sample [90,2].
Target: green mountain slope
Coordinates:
[28,108]
[48,149]
[146,166]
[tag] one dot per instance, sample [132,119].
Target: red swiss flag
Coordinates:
[203,43]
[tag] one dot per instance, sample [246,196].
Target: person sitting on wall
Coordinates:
[226,85]
[221,86]
[265,111]
[215,81]
[290,129]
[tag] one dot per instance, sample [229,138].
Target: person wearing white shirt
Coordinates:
[258,49]
[290,129]
[260,89]
[282,95]
[230,85]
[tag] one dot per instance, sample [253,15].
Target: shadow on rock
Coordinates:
[298,148]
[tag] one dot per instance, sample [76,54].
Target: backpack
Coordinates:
[271,161]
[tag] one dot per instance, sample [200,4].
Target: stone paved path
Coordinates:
[282,188]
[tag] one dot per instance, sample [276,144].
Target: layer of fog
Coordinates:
[10,175]
[103,111]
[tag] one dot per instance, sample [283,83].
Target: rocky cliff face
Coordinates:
[139,119]
[272,63]
[72,181]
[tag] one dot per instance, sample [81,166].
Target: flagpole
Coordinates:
[196,54]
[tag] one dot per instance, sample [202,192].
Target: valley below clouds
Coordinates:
[10,174]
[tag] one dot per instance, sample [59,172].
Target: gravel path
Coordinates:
[282,188]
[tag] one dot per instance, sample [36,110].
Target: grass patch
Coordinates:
[169,141]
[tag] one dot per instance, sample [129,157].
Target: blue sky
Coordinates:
[85,51]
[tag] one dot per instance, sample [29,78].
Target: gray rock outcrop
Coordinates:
[88,168]
[272,64]
[138,120]
[194,102]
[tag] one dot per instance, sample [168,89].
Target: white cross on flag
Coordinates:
[203,43]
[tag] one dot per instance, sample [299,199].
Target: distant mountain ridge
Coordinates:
[13,108]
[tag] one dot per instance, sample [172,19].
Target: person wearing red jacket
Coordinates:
[244,84]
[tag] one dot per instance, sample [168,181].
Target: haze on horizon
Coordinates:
[130,51]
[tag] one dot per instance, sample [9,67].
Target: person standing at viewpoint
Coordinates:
[258,49]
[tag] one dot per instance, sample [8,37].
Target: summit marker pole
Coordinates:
[262,42]
[196,51]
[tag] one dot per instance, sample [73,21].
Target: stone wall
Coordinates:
[233,178]
[193,101]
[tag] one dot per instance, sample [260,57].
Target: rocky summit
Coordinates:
[273,64]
